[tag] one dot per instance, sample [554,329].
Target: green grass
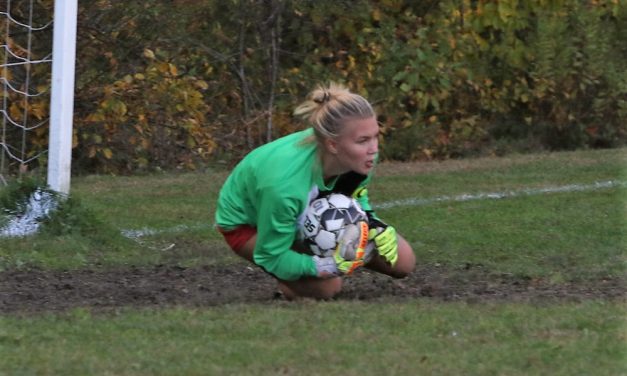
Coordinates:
[577,235]
[559,237]
[417,337]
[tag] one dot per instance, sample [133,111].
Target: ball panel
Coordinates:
[311,226]
[339,201]
[325,240]
[319,206]
[355,214]
[331,214]
[334,224]
[327,253]
[314,248]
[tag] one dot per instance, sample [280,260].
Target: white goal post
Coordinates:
[62,95]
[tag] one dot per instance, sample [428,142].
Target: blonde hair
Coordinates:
[326,109]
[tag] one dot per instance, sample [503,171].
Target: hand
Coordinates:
[335,265]
[325,266]
[349,254]
[352,248]
[385,240]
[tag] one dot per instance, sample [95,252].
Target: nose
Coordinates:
[374,147]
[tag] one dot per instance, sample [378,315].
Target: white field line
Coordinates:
[137,234]
[40,205]
[599,185]
[146,231]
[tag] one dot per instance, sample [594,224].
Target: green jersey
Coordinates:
[270,189]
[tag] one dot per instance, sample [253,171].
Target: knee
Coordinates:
[331,289]
[406,263]
[315,288]
[403,270]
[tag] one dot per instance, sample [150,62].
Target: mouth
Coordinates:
[369,164]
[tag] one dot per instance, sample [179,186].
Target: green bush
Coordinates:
[173,85]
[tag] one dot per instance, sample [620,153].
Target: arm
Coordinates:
[276,232]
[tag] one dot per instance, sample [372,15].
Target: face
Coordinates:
[356,148]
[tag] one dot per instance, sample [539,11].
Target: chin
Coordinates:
[364,170]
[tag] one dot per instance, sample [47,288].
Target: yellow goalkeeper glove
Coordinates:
[351,248]
[352,251]
[385,240]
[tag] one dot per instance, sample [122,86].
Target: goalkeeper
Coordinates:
[262,202]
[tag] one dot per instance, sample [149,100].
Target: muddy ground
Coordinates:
[37,291]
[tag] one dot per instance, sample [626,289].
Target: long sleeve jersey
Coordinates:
[270,189]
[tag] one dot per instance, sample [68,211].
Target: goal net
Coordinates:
[37,90]
[26,60]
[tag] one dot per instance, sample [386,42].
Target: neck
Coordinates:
[329,166]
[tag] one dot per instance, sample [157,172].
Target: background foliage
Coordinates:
[175,84]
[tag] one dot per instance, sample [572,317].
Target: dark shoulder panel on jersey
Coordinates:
[346,184]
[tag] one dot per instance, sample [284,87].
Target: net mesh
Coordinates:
[25,74]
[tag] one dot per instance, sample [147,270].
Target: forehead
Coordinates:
[360,127]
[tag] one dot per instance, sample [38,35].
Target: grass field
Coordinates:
[548,221]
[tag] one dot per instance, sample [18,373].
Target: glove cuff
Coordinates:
[374,222]
[325,265]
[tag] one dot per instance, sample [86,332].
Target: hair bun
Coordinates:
[326,96]
[328,107]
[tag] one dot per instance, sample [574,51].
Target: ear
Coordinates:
[331,145]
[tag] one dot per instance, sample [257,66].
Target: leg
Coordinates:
[309,287]
[404,266]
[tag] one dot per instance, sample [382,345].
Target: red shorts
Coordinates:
[237,237]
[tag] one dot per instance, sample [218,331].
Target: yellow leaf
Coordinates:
[351,62]
[376,15]
[202,84]
[142,162]
[121,108]
[149,54]
[163,67]
[107,153]
[15,111]
[173,70]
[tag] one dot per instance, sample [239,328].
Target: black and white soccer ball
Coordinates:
[325,221]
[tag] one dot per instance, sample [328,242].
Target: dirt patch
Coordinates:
[35,291]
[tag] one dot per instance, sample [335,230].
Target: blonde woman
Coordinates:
[261,201]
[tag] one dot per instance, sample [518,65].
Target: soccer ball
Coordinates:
[325,221]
